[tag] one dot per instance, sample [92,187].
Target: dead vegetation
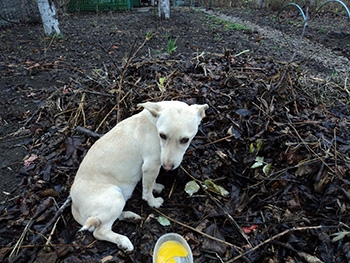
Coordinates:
[260,111]
[274,138]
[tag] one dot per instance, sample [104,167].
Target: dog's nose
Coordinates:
[168,166]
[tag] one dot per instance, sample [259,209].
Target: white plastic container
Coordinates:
[166,248]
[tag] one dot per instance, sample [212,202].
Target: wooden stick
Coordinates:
[230,218]
[273,238]
[46,228]
[88,132]
[199,232]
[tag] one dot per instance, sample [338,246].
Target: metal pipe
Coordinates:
[337,1]
[292,4]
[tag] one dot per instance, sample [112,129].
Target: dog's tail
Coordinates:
[90,224]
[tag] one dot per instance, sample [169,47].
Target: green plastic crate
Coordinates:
[98,5]
[136,3]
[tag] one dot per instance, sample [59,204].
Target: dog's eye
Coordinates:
[162,136]
[184,140]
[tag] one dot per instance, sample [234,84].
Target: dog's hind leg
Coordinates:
[91,224]
[108,204]
[104,232]
[129,216]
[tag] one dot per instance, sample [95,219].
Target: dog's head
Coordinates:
[177,124]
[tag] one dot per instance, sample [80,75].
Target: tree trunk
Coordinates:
[48,15]
[164,8]
[261,3]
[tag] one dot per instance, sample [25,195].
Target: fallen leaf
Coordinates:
[192,187]
[259,161]
[30,159]
[212,187]
[339,235]
[266,169]
[248,229]
[232,131]
[163,221]
[212,245]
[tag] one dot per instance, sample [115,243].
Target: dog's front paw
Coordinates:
[125,244]
[155,202]
[158,188]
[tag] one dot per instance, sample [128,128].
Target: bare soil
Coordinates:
[94,75]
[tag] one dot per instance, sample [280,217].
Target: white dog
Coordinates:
[135,148]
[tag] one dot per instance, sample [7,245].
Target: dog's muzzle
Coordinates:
[168,166]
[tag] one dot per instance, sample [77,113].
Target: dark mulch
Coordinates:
[276,139]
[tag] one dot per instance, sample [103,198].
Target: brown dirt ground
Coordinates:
[35,69]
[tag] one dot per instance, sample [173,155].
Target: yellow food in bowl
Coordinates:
[169,251]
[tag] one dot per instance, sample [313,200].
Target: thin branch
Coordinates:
[88,132]
[45,229]
[121,80]
[199,232]
[230,218]
[273,238]
[308,147]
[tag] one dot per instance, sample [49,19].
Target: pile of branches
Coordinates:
[271,160]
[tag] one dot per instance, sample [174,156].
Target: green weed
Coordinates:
[149,34]
[235,26]
[171,45]
[277,48]
[334,73]
[228,25]
[58,36]
[217,37]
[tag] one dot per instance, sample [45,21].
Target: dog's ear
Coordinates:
[201,109]
[152,107]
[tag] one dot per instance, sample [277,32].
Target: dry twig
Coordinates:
[273,238]
[197,231]
[44,230]
[230,218]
